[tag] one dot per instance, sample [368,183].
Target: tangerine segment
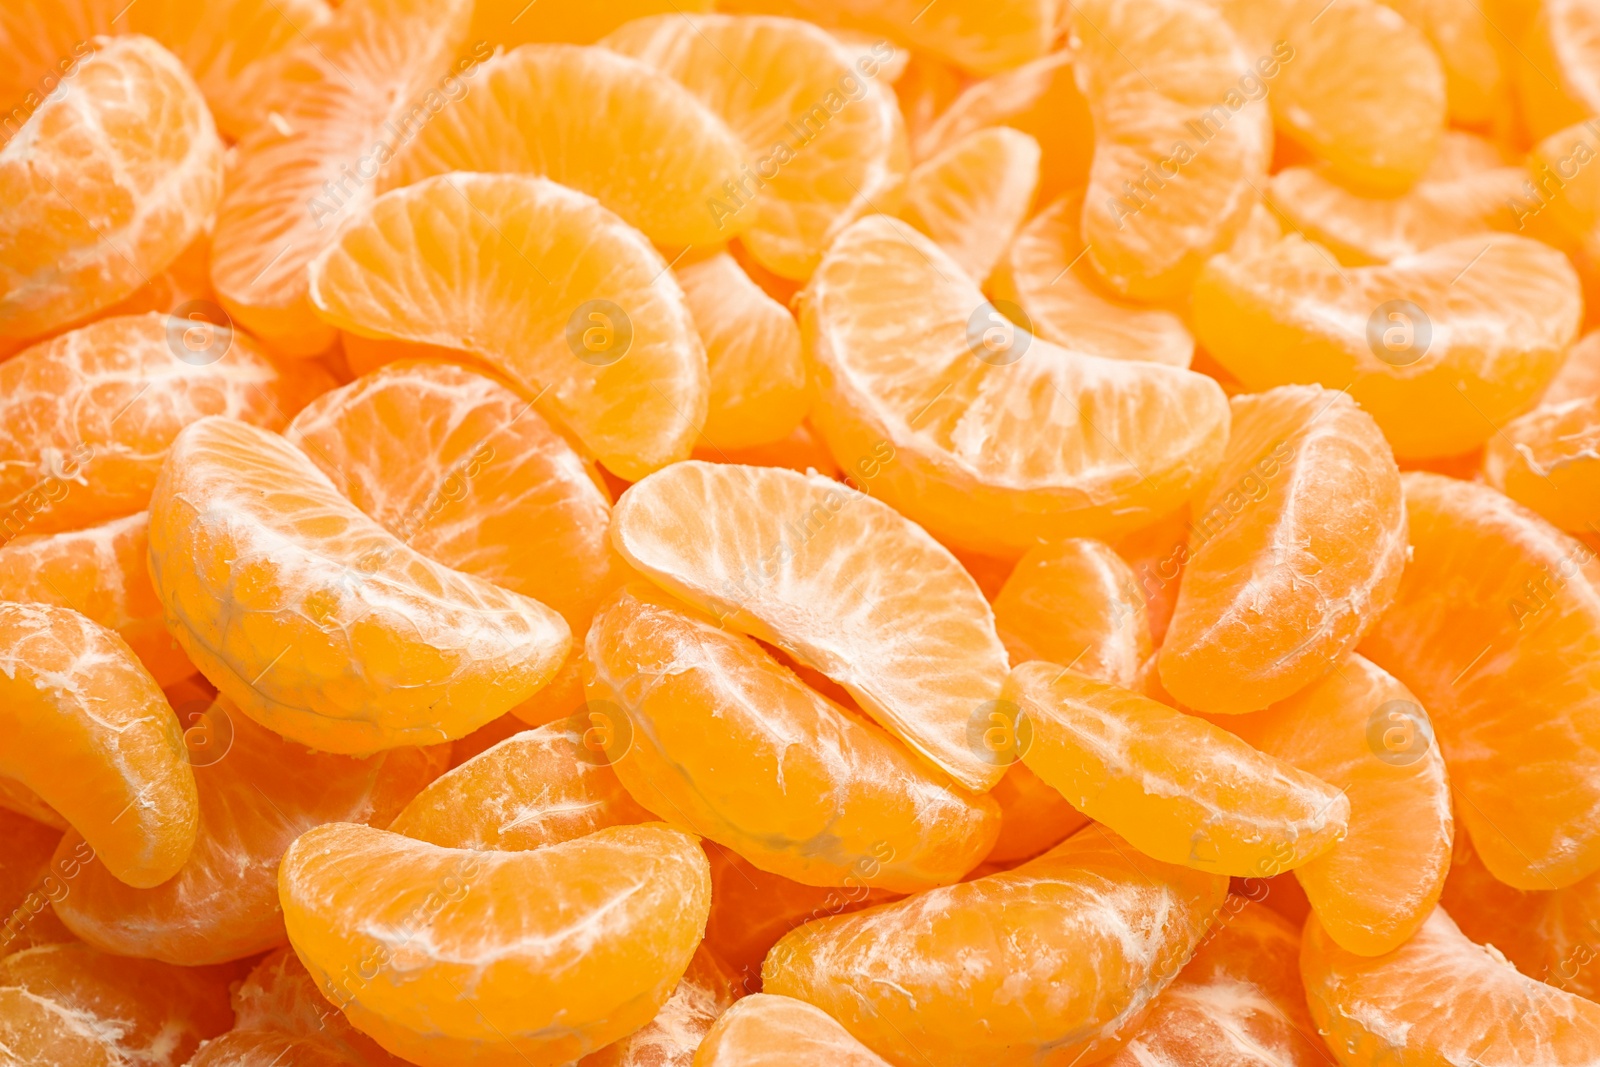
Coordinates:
[86,418]
[258,792]
[535,788]
[460,468]
[1075,602]
[1546,460]
[824,141]
[1361,730]
[1439,998]
[27,884]
[1039,98]
[1055,956]
[397,932]
[973,196]
[344,97]
[1178,152]
[508,23]
[1047,274]
[1471,47]
[1496,629]
[771,1031]
[1579,376]
[757,374]
[104,748]
[316,621]
[837,580]
[101,570]
[1033,816]
[1297,549]
[14,796]
[103,187]
[670,1039]
[1358,86]
[729,743]
[1469,331]
[990,437]
[544,285]
[1560,49]
[280,996]
[268,1048]
[107,1010]
[1238,1001]
[1178,788]
[1456,197]
[593,121]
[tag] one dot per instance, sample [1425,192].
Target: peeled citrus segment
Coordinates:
[100,572]
[258,792]
[1047,274]
[1362,731]
[670,1039]
[544,285]
[834,578]
[103,187]
[1178,788]
[926,89]
[86,419]
[1056,956]
[1180,151]
[1496,629]
[463,470]
[1033,816]
[824,142]
[268,1048]
[316,621]
[14,796]
[1293,553]
[346,97]
[802,451]
[1579,376]
[757,374]
[1546,460]
[593,121]
[1445,204]
[1356,85]
[1468,331]
[535,788]
[552,975]
[972,197]
[102,746]
[508,23]
[1078,603]
[82,1008]
[27,882]
[990,437]
[1439,998]
[771,1031]
[728,743]
[1237,1001]
[1040,99]
[280,997]
[1560,51]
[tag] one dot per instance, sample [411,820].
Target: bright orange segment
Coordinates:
[1238,1002]
[837,580]
[103,747]
[1468,331]
[990,437]
[1560,52]
[1047,274]
[100,572]
[723,740]
[771,1031]
[651,152]
[1547,460]
[1360,730]
[1471,41]
[258,792]
[86,419]
[512,22]
[972,196]
[1439,998]
[1180,149]
[535,788]
[1295,551]
[462,470]
[1075,602]
[103,187]
[254,553]
[355,88]
[1177,787]
[1496,629]
[545,286]
[28,882]
[824,142]
[1579,376]
[1056,956]
[671,1038]
[279,1000]
[758,377]
[396,932]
